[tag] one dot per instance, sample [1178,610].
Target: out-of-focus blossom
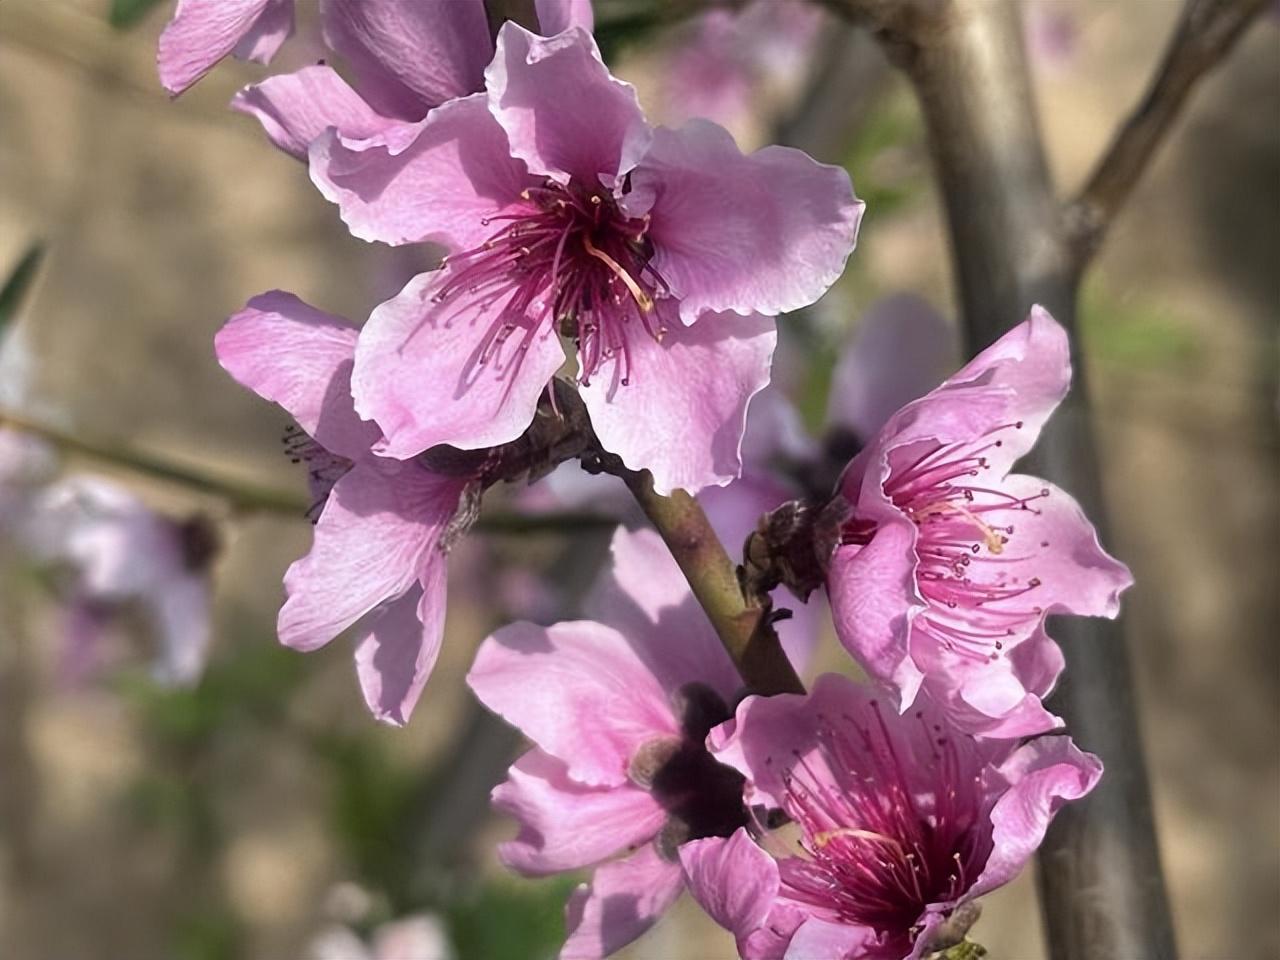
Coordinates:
[618,710]
[203,32]
[726,61]
[113,552]
[900,350]
[949,563]
[902,820]
[1052,31]
[568,213]
[26,464]
[405,58]
[378,558]
[415,937]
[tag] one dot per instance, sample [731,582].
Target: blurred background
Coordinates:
[260,813]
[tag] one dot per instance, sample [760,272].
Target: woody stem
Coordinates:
[742,623]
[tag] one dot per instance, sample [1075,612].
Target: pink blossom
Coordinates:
[568,213]
[405,59]
[950,563]
[902,820]
[115,552]
[618,710]
[378,558]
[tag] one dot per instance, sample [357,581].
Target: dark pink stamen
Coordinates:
[891,825]
[567,258]
[965,528]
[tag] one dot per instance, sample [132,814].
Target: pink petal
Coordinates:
[565,825]
[578,690]
[1021,378]
[701,378]
[301,358]
[900,351]
[420,373]
[268,33]
[565,115]
[1076,575]
[557,15]
[764,233]
[440,179]
[202,32]
[645,597]
[378,535]
[295,108]
[733,880]
[833,941]
[398,646]
[873,598]
[625,898]
[1044,774]
[408,57]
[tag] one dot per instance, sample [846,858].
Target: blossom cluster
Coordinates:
[613,285]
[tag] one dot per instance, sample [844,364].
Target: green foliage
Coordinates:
[373,804]
[511,919]
[1136,334]
[891,130]
[123,14]
[207,935]
[255,683]
[19,281]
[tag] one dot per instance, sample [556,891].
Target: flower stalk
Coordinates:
[744,624]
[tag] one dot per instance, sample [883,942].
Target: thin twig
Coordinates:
[1206,33]
[744,626]
[245,497]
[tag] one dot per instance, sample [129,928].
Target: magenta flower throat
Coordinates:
[569,256]
[878,849]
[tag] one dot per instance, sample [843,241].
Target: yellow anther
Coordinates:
[643,300]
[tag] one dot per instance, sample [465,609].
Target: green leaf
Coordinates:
[123,14]
[512,919]
[18,283]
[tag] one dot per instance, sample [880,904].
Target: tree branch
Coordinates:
[1207,31]
[251,498]
[744,625]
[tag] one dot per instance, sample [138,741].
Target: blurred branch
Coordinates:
[251,498]
[19,281]
[1207,31]
[744,624]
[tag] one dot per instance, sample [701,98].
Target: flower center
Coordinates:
[890,824]
[568,258]
[965,528]
[702,797]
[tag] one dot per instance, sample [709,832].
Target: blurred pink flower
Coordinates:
[113,552]
[415,937]
[380,540]
[570,213]
[903,819]
[949,563]
[405,58]
[618,710]
[726,58]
